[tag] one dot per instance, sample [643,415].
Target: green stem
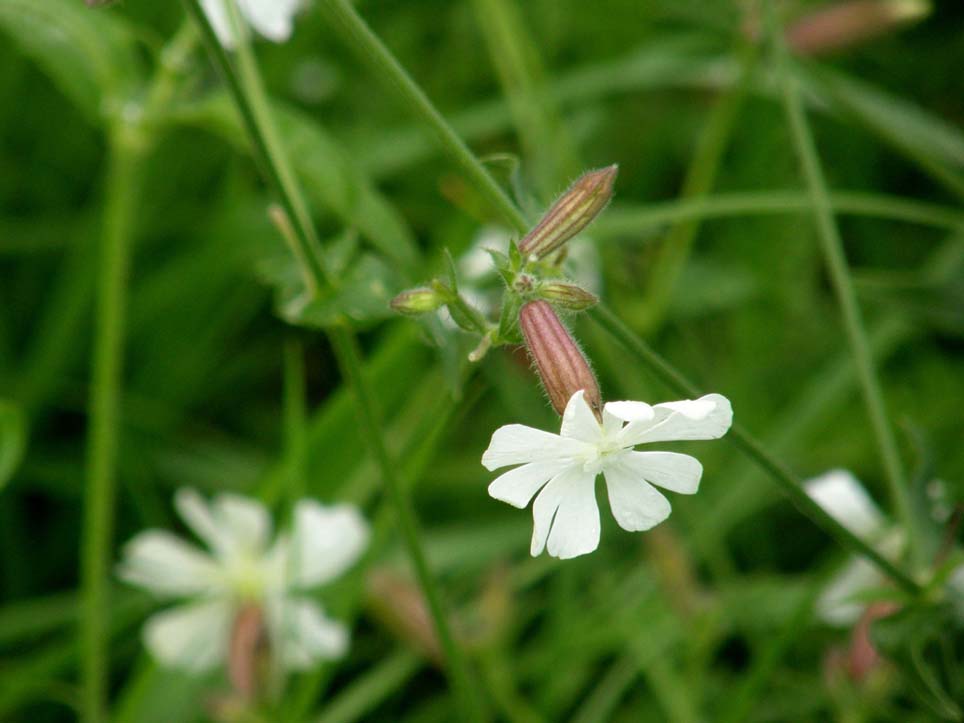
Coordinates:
[295,419]
[250,99]
[627,219]
[370,48]
[248,93]
[349,361]
[832,247]
[785,479]
[122,186]
[383,65]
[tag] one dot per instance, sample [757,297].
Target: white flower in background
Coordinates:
[564,467]
[274,19]
[842,497]
[244,568]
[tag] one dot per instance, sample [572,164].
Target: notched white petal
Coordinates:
[192,637]
[708,417]
[194,510]
[635,503]
[271,18]
[166,565]
[246,522]
[578,421]
[304,634]
[325,543]
[630,411]
[841,496]
[519,444]
[566,516]
[517,486]
[669,470]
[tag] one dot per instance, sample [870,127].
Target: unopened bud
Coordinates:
[568,296]
[571,213]
[849,23]
[417,301]
[561,364]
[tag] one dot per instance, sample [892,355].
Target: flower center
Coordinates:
[602,454]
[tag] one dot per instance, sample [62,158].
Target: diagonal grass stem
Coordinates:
[832,247]
[364,42]
[246,89]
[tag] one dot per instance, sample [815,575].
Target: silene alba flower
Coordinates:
[244,570]
[562,468]
[273,19]
[844,498]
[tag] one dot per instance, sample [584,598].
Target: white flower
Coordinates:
[271,18]
[565,467]
[842,497]
[244,568]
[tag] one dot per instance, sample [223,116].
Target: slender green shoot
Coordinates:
[785,479]
[832,247]
[383,65]
[246,88]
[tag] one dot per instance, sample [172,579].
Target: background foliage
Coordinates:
[709,617]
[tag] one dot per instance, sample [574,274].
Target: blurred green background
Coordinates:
[706,618]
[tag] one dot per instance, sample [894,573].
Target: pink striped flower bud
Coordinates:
[571,213]
[562,367]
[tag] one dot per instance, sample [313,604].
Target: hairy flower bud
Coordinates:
[568,296]
[417,301]
[561,364]
[571,213]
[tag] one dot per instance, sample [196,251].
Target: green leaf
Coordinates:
[13,439]
[362,296]
[451,271]
[90,55]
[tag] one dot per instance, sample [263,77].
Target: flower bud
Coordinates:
[417,301]
[561,364]
[845,24]
[571,213]
[568,296]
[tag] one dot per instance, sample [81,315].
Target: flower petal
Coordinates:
[217,15]
[837,604]
[517,486]
[271,18]
[518,444]
[166,565]
[669,470]
[630,411]
[842,497]
[303,634]
[566,515]
[708,417]
[245,521]
[191,637]
[232,525]
[326,541]
[635,503]
[578,421]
